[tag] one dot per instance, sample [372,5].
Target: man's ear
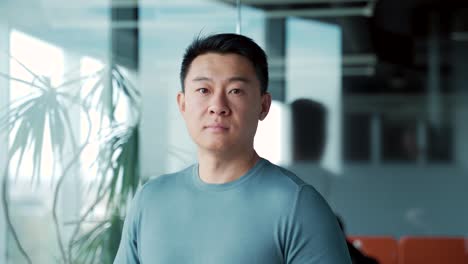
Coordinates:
[266,103]
[181,102]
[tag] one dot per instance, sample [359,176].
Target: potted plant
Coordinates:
[116,177]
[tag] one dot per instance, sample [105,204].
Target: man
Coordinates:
[233,207]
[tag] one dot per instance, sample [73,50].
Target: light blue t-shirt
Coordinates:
[267,216]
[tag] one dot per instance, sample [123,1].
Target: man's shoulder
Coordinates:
[281,181]
[281,176]
[304,190]
[166,182]
[286,188]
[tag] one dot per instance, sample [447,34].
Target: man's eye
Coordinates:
[202,90]
[235,91]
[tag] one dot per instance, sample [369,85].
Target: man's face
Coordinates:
[222,102]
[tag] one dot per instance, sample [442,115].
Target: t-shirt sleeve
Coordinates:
[128,248]
[313,234]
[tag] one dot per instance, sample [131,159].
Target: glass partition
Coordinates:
[88,112]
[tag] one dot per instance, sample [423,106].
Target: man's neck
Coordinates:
[218,169]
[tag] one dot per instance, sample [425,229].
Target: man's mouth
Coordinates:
[217,127]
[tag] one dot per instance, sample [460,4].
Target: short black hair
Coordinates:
[227,43]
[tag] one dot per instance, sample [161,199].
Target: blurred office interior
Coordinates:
[392,74]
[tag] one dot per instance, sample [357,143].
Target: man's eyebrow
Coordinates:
[239,79]
[201,78]
[232,79]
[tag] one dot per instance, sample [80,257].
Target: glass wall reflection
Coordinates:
[390,74]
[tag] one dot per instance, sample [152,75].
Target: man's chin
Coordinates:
[218,147]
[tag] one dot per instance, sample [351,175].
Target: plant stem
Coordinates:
[6,209]
[55,203]
[81,220]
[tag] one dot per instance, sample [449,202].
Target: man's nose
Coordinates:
[219,105]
